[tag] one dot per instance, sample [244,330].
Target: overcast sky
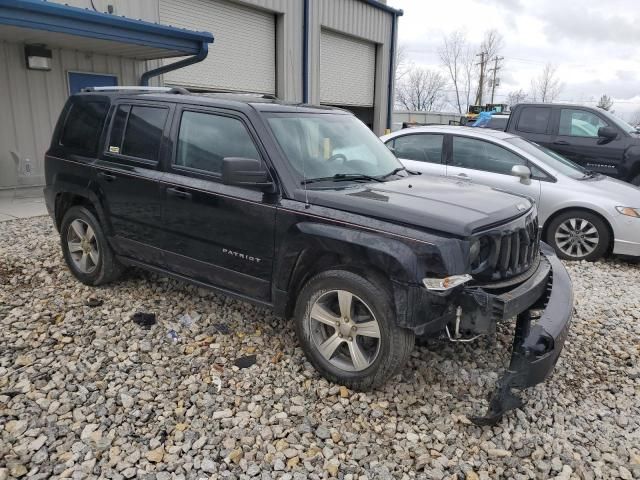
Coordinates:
[594,43]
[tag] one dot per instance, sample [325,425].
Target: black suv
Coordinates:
[304,210]
[591,137]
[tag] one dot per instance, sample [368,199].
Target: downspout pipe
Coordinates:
[305,52]
[392,62]
[198,57]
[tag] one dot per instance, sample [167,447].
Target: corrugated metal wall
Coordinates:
[30,102]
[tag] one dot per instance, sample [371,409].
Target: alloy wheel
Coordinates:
[344,330]
[577,237]
[83,246]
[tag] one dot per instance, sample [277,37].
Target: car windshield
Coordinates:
[550,158]
[326,147]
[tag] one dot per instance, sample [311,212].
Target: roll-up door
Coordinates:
[347,70]
[243,55]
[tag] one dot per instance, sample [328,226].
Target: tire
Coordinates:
[87,266]
[383,351]
[579,235]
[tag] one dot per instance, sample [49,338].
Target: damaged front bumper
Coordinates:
[543,306]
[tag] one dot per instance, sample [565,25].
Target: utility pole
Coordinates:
[495,69]
[482,64]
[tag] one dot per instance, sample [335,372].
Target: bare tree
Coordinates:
[634,119]
[455,56]
[491,46]
[605,103]
[402,63]
[421,90]
[547,87]
[515,97]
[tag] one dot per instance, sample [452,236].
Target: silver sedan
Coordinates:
[584,215]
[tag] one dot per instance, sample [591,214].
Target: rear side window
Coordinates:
[534,119]
[206,139]
[136,131]
[419,147]
[83,126]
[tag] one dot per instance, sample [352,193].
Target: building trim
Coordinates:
[391,79]
[53,17]
[382,6]
[305,52]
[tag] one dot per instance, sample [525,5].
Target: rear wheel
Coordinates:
[578,235]
[85,248]
[345,325]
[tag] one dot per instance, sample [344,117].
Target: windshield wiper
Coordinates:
[343,177]
[395,171]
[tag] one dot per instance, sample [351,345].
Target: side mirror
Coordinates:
[246,172]
[607,134]
[523,172]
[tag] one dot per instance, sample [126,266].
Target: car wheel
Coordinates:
[345,325]
[578,235]
[85,248]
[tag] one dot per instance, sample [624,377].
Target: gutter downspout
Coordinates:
[392,62]
[305,52]
[198,57]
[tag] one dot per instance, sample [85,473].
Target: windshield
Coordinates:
[549,158]
[323,146]
[619,122]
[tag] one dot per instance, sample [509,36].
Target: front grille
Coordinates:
[510,249]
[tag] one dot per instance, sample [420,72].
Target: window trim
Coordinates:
[549,121]
[550,178]
[172,166]
[112,116]
[607,124]
[442,151]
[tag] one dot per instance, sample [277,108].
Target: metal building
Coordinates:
[333,52]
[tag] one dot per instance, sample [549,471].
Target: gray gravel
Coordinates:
[85,392]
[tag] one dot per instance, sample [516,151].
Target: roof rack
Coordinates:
[176,90]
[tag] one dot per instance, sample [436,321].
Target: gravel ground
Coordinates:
[85,392]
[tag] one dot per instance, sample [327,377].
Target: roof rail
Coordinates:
[176,90]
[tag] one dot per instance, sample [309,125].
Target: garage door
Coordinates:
[347,70]
[243,55]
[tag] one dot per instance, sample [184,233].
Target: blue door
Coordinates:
[78,81]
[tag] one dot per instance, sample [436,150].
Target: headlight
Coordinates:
[447,283]
[628,211]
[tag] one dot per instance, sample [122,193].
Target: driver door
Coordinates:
[489,164]
[420,152]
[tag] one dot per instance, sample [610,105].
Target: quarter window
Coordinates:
[534,119]
[419,147]
[480,155]
[136,131]
[83,126]
[579,123]
[206,139]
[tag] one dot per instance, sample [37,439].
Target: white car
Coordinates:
[583,215]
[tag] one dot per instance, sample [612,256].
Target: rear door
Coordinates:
[487,163]
[420,152]
[218,234]
[577,139]
[128,177]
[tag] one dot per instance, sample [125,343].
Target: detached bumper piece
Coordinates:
[544,307]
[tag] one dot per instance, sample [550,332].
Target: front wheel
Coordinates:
[345,325]
[578,235]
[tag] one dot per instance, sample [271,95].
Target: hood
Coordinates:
[433,203]
[626,194]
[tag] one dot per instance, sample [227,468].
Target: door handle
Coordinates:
[107,176]
[561,142]
[179,193]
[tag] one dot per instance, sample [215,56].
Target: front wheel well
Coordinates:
[545,227]
[66,200]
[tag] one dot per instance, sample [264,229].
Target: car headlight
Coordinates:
[629,211]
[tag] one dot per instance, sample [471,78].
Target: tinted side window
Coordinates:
[83,126]
[579,123]
[420,147]
[206,139]
[143,132]
[480,155]
[534,119]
